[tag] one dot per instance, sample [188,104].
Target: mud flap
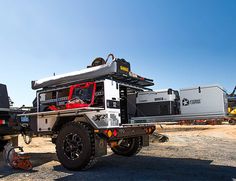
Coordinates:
[100,146]
[145,140]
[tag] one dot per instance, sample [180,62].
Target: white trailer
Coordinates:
[87,110]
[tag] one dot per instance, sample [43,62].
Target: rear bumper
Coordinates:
[126,131]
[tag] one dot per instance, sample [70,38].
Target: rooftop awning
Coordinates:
[110,70]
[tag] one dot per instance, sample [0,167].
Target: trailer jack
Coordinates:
[16,160]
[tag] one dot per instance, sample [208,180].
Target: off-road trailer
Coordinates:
[87,110]
[107,104]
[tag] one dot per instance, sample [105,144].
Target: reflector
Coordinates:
[109,133]
[115,132]
[2,121]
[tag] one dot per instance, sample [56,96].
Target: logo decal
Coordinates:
[186,102]
[125,69]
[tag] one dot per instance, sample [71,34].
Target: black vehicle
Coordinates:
[8,125]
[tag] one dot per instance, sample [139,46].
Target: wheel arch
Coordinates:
[61,121]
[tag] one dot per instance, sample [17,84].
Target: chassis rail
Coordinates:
[175,118]
[65,112]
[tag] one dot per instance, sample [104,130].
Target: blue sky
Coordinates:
[179,44]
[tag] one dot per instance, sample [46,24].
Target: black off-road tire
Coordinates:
[84,146]
[232,122]
[132,148]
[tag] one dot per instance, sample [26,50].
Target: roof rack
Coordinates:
[118,70]
[136,80]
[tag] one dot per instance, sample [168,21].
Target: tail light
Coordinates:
[110,132]
[115,132]
[2,122]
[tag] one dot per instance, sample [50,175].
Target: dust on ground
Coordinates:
[192,153]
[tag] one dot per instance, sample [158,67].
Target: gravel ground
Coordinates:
[192,153]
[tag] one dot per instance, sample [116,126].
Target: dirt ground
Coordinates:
[192,153]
